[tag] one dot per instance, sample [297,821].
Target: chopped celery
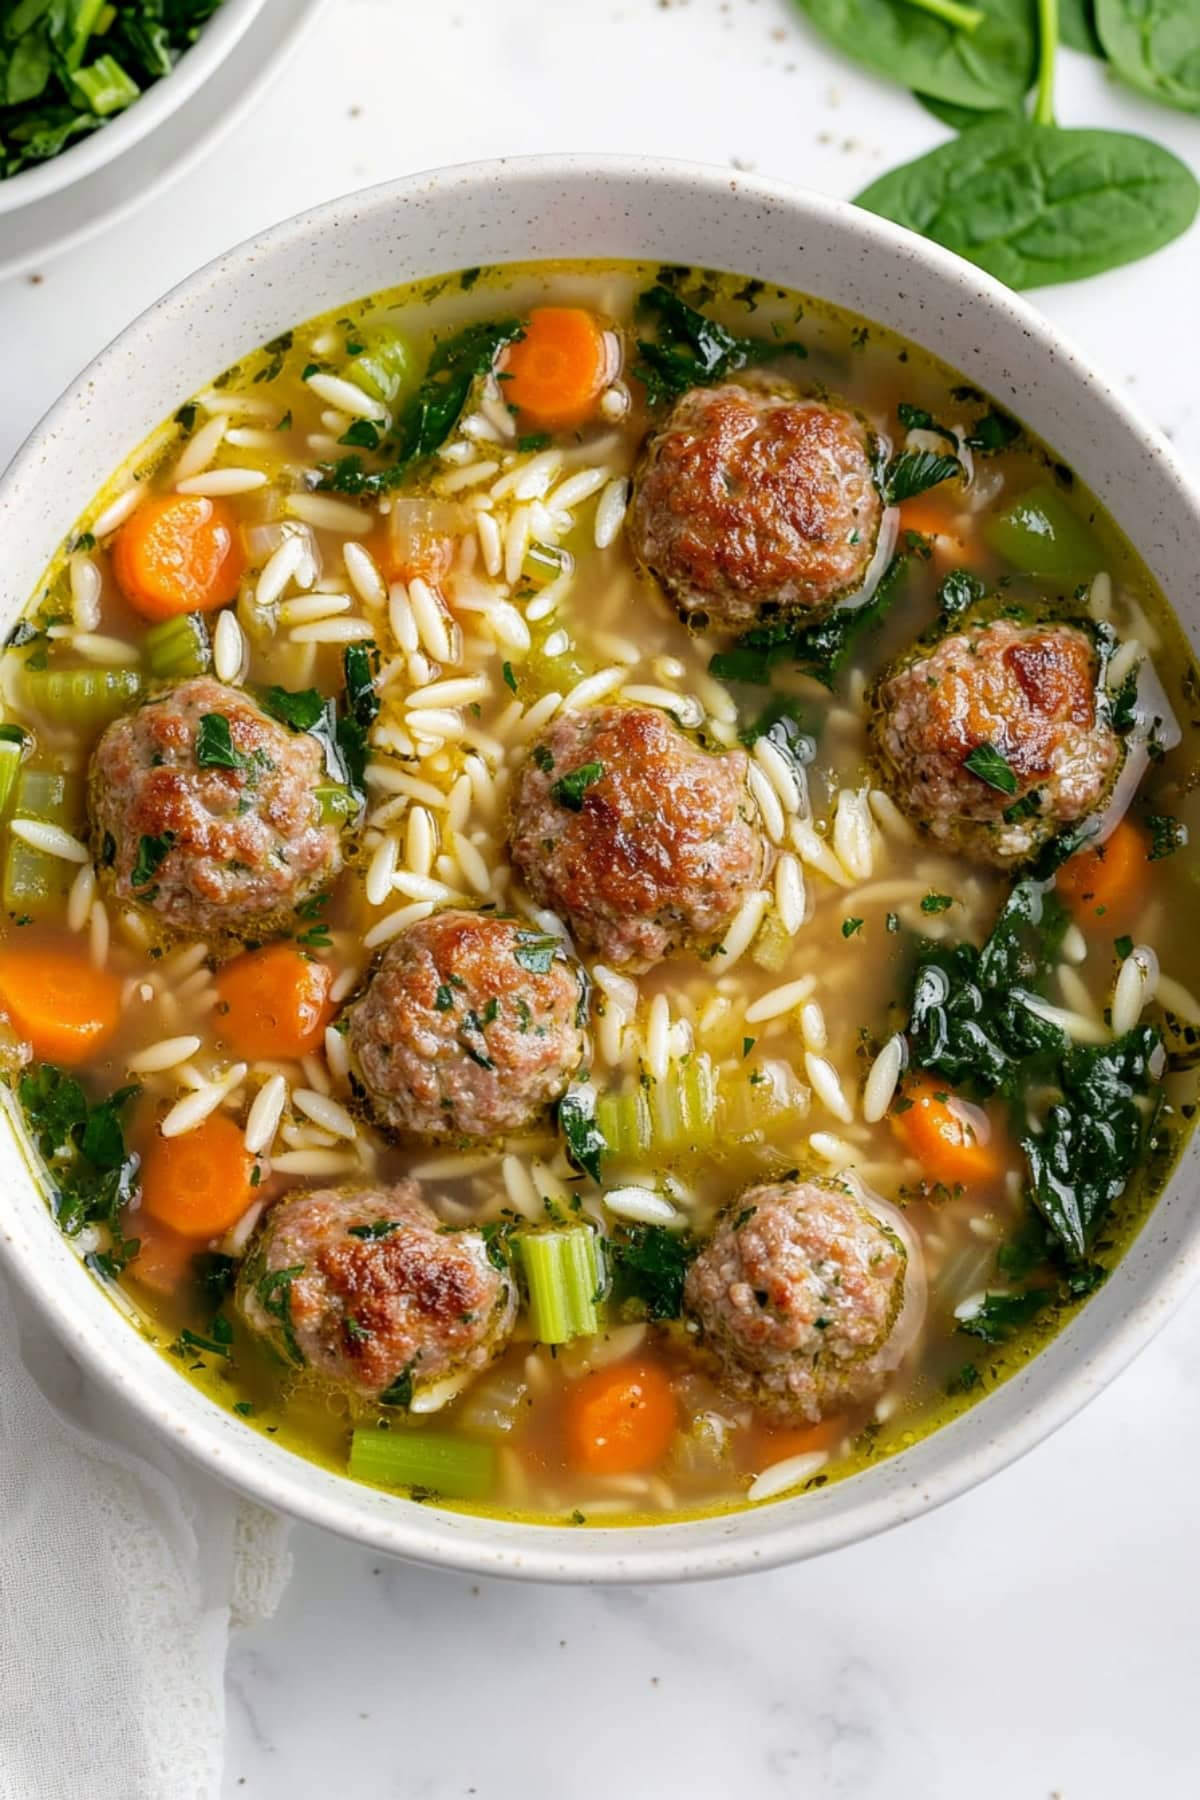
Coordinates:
[760,1097]
[105,87]
[177,648]
[684,1106]
[678,1113]
[624,1120]
[337,803]
[544,563]
[12,749]
[428,1460]
[1040,535]
[384,365]
[85,698]
[562,1276]
[773,945]
[33,881]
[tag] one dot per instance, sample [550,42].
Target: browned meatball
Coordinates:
[365,1287]
[799,1294]
[991,741]
[642,841]
[750,502]
[207,847]
[470,1026]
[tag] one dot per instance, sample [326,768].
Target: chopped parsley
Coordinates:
[152,853]
[536,951]
[569,790]
[215,747]
[936,903]
[992,767]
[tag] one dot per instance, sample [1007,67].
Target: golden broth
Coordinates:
[788,1072]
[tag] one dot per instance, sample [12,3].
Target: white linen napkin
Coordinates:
[122,1569]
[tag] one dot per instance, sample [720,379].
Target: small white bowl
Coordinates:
[156,104]
[603,207]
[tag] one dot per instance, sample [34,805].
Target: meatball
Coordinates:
[205,846]
[364,1286]
[470,1025]
[644,842]
[991,740]
[798,1294]
[751,502]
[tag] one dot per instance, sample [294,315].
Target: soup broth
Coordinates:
[438,592]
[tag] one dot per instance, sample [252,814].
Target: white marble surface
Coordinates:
[1038,1638]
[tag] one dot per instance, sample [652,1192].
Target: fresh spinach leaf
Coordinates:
[1002,1314]
[535,952]
[214,744]
[360,710]
[1034,203]
[987,68]
[152,852]
[992,767]
[298,710]
[821,650]
[1154,45]
[914,471]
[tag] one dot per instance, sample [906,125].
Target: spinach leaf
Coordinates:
[821,650]
[916,418]
[987,68]
[958,591]
[298,710]
[649,1265]
[152,852]
[586,1143]
[1154,45]
[360,710]
[963,118]
[1077,26]
[214,744]
[427,419]
[93,1173]
[992,767]
[913,471]
[692,350]
[1034,203]
[536,951]
[994,431]
[1089,1147]
[1002,1314]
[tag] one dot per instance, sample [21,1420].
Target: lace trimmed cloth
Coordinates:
[122,1570]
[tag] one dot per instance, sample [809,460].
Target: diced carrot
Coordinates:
[273,1002]
[404,549]
[67,1009]
[1107,882]
[164,1259]
[557,371]
[179,553]
[776,1443]
[954,546]
[621,1419]
[939,1133]
[199,1184]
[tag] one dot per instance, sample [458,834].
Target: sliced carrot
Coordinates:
[67,1009]
[954,546]
[777,1443]
[164,1259]
[1107,882]
[179,553]
[274,1002]
[942,1138]
[403,549]
[199,1184]
[557,371]
[620,1419]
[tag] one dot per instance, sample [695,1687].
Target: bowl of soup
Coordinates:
[596,796]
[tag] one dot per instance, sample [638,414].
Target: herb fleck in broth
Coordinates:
[175,1123]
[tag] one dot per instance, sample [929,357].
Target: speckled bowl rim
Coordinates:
[87,155]
[607,206]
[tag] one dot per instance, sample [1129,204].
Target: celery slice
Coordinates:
[86,698]
[562,1276]
[1040,535]
[12,749]
[773,945]
[544,563]
[34,882]
[384,365]
[432,1461]
[624,1120]
[177,648]
[337,804]
[105,86]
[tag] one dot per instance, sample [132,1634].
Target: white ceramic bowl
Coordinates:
[602,207]
[157,103]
